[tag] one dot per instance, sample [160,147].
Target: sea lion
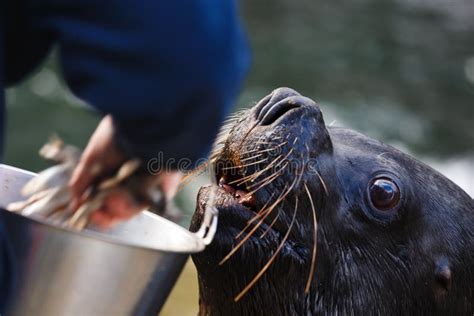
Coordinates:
[324,220]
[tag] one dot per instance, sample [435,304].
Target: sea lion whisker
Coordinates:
[264,215]
[323,183]
[315,240]
[242,180]
[183,184]
[197,169]
[264,150]
[253,151]
[274,176]
[271,225]
[237,247]
[254,175]
[258,173]
[250,158]
[246,165]
[270,261]
[279,163]
[277,173]
[270,165]
[192,174]
[285,192]
[248,133]
[255,217]
[269,180]
[220,140]
[264,139]
[250,177]
[270,144]
[321,180]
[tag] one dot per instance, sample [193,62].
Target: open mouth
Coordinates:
[232,181]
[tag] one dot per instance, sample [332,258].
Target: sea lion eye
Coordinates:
[384,193]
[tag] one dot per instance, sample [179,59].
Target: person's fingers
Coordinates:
[101,146]
[121,205]
[100,157]
[78,184]
[89,166]
[100,219]
[82,177]
[115,209]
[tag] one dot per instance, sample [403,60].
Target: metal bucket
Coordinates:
[129,270]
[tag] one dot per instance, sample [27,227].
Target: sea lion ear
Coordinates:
[443,279]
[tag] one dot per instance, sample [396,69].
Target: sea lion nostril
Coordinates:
[276,96]
[278,110]
[261,105]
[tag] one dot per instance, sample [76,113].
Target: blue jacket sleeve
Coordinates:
[167,71]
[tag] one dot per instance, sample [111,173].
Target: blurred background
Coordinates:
[401,71]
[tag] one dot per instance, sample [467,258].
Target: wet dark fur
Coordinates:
[416,259]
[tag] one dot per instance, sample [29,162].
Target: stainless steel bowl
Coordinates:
[129,270]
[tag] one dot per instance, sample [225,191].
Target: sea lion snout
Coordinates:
[280,102]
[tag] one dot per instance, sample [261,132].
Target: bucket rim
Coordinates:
[195,243]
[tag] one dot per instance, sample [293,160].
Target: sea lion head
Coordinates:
[317,219]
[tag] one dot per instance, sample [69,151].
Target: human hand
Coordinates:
[100,159]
